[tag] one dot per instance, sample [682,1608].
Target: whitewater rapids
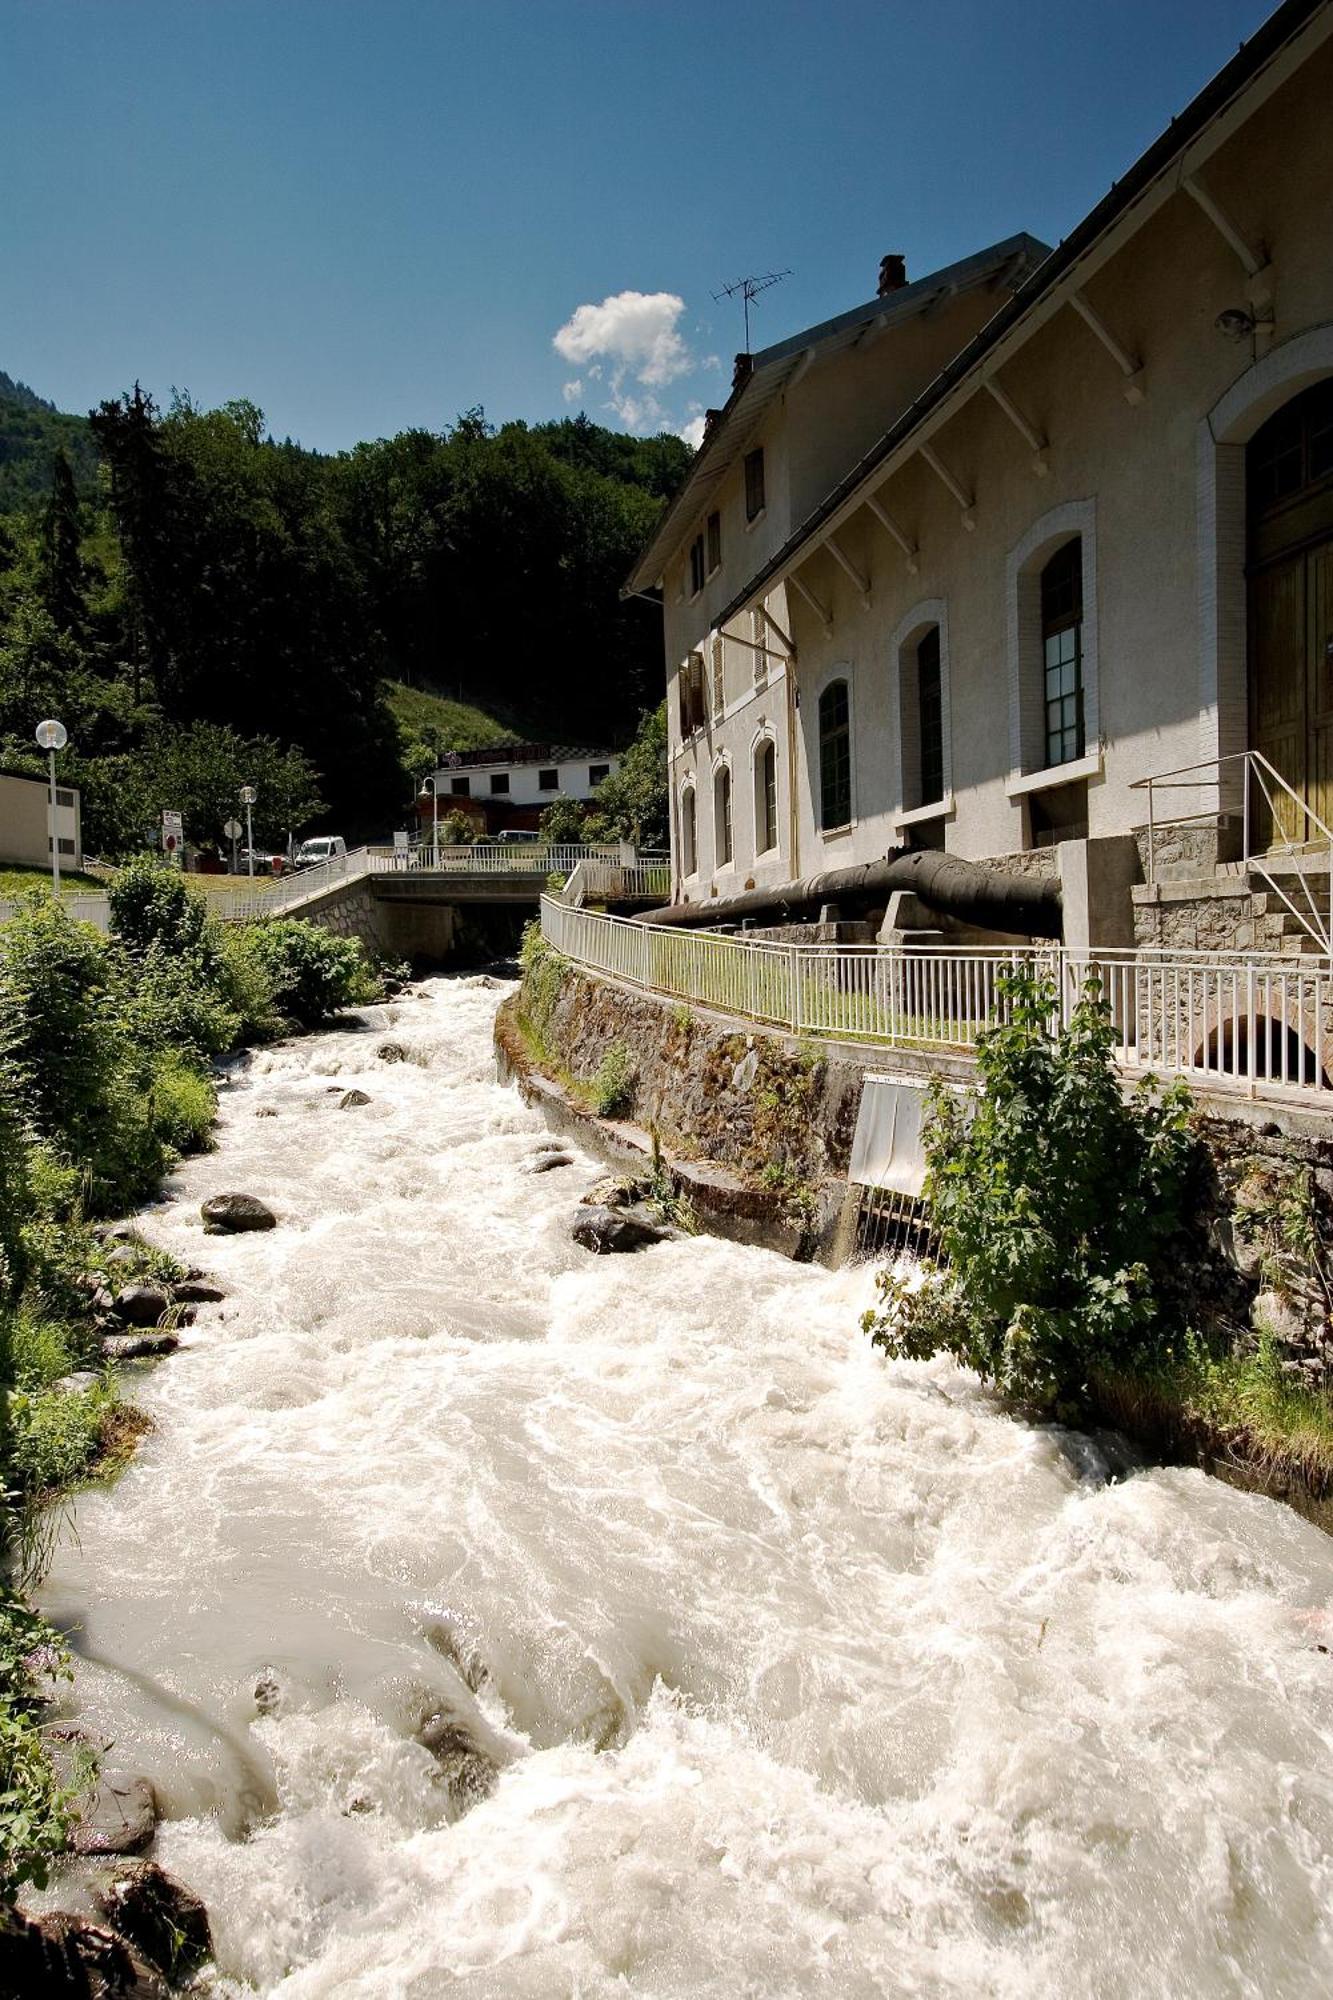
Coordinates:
[777,1670]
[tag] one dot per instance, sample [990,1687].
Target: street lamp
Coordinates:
[430,791]
[51,737]
[248,797]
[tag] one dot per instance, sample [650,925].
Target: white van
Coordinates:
[324,847]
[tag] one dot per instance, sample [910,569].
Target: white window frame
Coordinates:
[1028,769]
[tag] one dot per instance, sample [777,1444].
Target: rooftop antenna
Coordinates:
[749,289]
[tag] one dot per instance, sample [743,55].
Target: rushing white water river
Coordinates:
[752,1665]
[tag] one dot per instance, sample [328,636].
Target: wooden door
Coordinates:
[1278,693]
[1319,680]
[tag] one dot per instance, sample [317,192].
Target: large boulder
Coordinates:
[150,1345]
[63,1957]
[610,1231]
[198,1292]
[350,1099]
[544,1163]
[163,1920]
[120,1817]
[228,1214]
[142,1305]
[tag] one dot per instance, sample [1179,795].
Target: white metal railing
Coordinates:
[1259,1024]
[1266,801]
[89,909]
[241,900]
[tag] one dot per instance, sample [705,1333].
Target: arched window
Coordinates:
[766,796]
[930,719]
[689,851]
[1062,652]
[722,816]
[835,757]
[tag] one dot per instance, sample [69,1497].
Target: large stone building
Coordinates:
[965,566]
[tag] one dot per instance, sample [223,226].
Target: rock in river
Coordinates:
[225,1214]
[160,1918]
[119,1818]
[142,1305]
[63,1957]
[351,1098]
[198,1292]
[609,1230]
[147,1346]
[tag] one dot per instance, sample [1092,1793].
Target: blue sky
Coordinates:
[368,214]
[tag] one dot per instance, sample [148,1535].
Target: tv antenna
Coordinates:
[749,290]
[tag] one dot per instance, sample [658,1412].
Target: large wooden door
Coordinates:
[1289,478]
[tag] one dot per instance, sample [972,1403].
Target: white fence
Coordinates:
[239,899]
[91,909]
[1260,1025]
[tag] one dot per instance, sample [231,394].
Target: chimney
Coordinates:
[742,369]
[892,273]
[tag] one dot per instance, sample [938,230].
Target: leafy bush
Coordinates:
[58,1044]
[54,1436]
[613,1084]
[182,1105]
[35,1809]
[1059,1206]
[153,904]
[311,973]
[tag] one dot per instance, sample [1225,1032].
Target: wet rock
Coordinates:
[198,1291]
[265,1111]
[544,1162]
[614,1191]
[119,1818]
[142,1305]
[351,1098]
[227,1214]
[612,1231]
[63,1957]
[146,1346]
[165,1922]
[391,1052]
[268,1692]
[468,1772]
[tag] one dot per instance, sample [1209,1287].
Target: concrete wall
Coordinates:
[25,823]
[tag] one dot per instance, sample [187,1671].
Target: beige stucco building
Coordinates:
[1032,530]
[25,825]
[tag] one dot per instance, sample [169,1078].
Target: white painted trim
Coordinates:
[930,611]
[1262,388]
[945,808]
[1023,566]
[1017,786]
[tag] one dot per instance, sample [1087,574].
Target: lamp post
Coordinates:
[51,736]
[430,791]
[248,797]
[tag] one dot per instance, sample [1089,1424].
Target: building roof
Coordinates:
[499,754]
[760,385]
[1160,169]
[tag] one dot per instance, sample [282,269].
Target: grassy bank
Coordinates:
[106,1049]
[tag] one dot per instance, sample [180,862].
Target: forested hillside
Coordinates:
[200,603]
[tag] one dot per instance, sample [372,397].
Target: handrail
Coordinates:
[1255,765]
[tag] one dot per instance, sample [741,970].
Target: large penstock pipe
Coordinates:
[987,898]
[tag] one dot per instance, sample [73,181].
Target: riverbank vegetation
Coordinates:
[205,605]
[1077,1272]
[106,1053]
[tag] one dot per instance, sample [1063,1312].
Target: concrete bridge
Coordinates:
[423,902]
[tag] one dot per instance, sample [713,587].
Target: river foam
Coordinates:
[786,1671]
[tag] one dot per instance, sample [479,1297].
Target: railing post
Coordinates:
[794,962]
[1244,808]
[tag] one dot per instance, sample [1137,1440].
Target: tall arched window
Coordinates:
[766,796]
[689,851]
[1062,652]
[930,719]
[722,815]
[835,757]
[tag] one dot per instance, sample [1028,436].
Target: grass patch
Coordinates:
[14,880]
[449,725]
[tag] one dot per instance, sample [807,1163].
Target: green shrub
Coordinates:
[34,1350]
[36,1810]
[58,1047]
[181,1105]
[152,905]
[54,1437]
[613,1085]
[311,973]
[1059,1206]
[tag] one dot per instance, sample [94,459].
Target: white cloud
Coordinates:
[572,391]
[632,342]
[692,432]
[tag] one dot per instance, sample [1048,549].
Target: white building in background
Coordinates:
[510,785]
[964,566]
[25,823]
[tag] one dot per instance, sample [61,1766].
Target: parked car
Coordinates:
[515,835]
[324,847]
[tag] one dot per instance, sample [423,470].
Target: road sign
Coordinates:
[173,832]
[232,829]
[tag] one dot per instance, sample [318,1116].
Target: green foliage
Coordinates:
[562,822]
[36,1810]
[55,1436]
[181,1105]
[614,1083]
[153,904]
[1059,1207]
[311,973]
[630,803]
